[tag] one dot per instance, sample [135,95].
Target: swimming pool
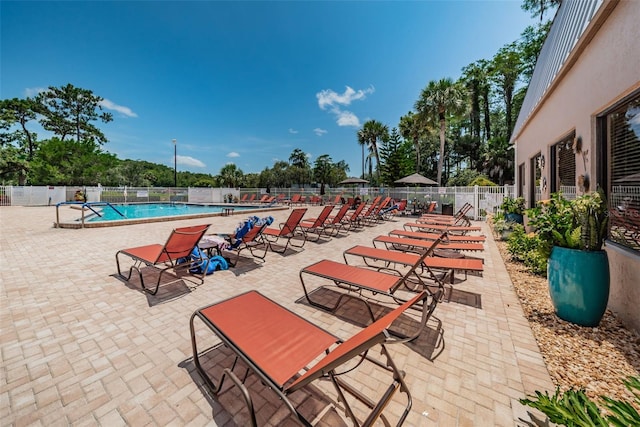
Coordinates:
[115,212]
[101,214]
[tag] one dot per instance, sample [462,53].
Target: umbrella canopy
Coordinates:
[416,178]
[353,180]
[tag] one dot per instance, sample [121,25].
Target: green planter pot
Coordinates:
[514,217]
[579,284]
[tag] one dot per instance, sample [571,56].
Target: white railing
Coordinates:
[449,199]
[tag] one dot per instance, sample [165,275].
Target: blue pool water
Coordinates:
[154,210]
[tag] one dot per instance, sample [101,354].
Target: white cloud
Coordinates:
[233,154]
[30,92]
[319,131]
[347,118]
[293,131]
[189,161]
[332,100]
[110,105]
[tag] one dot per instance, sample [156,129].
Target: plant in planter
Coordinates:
[513,209]
[573,233]
[503,228]
[575,408]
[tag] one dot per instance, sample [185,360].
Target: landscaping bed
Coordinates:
[595,359]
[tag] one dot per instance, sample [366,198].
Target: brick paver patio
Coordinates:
[81,347]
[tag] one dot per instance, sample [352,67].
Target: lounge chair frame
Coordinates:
[165,257]
[358,279]
[252,241]
[287,230]
[464,238]
[419,245]
[389,258]
[336,223]
[317,225]
[218,318]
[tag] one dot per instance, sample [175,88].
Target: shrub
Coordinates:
[528,249]
[513,205]
[574,408]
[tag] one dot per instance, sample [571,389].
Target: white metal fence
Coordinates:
[449,199]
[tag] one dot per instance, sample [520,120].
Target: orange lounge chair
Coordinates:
[165,257]
[264,198]
[419,245]
[277,344]
[252,240]
[457,229]
[317,225]
[336,222]
[433,236]
[286,230]
[244,198]
[373,215]
[462,213]
[252,198]
[388,257]
[358,279]
[371,207]
[295,199]
[355,219]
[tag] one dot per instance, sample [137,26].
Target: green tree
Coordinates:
[540,7]
[18,112]
[18,144]
[498,160]
[69,111]
[396,159]
[441,99]
[338,172]
[530,45]
[230,176]
[60,162]
[506,70]
[322,170]
[412,130]
[476,80]
[370,135]
[281,174]
[300,166]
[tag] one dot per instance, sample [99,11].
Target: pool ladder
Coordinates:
[83,207]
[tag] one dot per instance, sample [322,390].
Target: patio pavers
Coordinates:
[81,347]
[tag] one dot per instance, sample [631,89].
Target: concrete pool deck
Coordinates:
[81,347]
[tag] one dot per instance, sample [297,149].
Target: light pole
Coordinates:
[175,164]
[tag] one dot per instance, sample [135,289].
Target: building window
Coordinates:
[521,181]
[536,182]
[563,167]
[619,137]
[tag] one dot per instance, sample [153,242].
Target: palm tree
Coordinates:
[300,164]
[440,99]
[410,129]
[230,175]
[372,132]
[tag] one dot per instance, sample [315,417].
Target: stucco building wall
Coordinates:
[606,70]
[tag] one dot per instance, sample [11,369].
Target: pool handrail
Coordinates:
[86,205]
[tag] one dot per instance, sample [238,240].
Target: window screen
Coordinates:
[623,140]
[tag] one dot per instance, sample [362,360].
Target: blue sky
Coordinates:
[246,82]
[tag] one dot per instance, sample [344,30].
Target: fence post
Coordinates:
[476,202]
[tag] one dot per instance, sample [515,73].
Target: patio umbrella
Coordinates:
[416,178]
[353,180]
